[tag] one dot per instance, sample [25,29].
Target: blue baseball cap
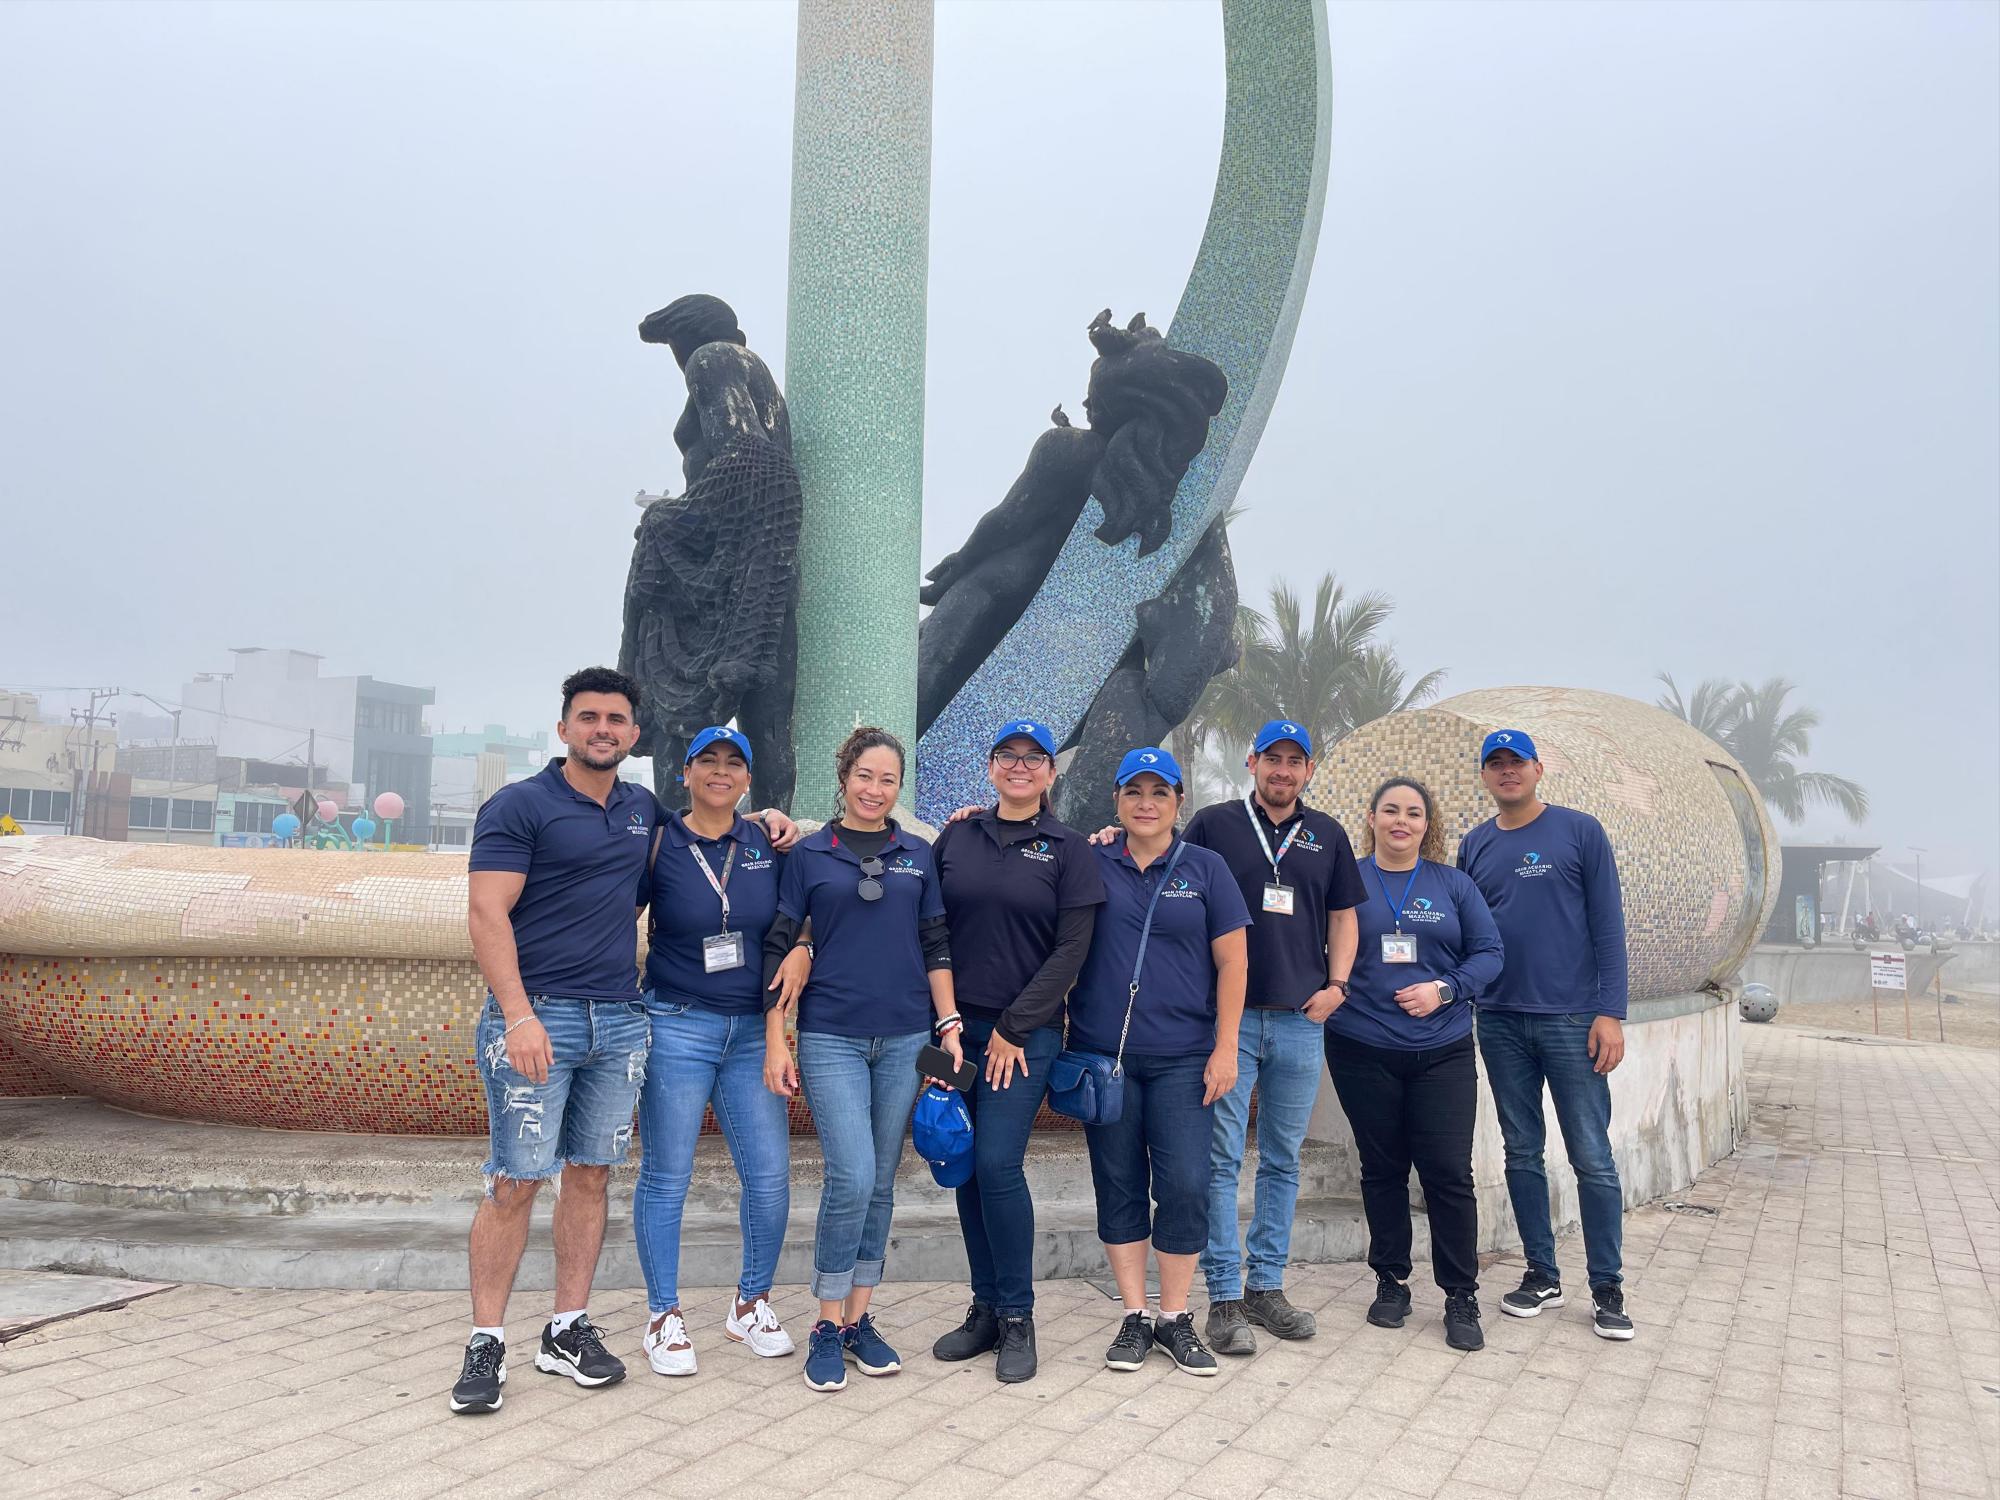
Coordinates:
[1149,758]
[1026,729]
[941,1130]
[1282,729]
[1507,739]
[718,734]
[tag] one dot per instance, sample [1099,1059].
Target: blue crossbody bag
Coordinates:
[1088,1086]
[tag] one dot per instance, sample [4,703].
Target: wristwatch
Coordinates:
[1338,984]
[1445,995]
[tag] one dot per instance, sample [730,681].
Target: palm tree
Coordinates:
[1751,721]
[1320,666]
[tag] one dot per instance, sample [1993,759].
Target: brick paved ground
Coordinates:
[1831,1330]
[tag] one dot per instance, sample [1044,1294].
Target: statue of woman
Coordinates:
[1149,407]
[711,602]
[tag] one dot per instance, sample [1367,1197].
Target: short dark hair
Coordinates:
[599,680]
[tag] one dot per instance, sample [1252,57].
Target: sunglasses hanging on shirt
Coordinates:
[870,888]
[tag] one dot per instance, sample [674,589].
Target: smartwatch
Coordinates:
[1445,995]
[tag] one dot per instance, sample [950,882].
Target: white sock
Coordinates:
[1170,1316]
[559,1324]
[1142,1310]
[499,1335]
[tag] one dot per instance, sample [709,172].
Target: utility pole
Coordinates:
[82,782]
[1920,884]
[312,740]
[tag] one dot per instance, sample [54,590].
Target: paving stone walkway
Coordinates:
[1821,1317]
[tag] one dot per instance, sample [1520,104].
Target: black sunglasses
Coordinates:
[870,888]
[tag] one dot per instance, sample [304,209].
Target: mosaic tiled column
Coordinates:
[854,367]
[1240,309]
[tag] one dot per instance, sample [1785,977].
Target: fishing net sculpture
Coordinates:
[711,602]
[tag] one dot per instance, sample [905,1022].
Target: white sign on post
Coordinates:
[1886,971]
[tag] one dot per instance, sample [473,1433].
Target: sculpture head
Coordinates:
[1154,404]
[686,323]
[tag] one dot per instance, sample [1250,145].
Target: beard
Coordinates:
[599,759]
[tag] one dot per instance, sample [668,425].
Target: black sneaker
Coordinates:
[1535,1292]
[1391,1305]
[578,1352]
[1461,1321]
[1017,1360]
[485,1371]
[1229,1328]
[1134,1342]
[1610,1321]
[979,1332]
[1176,1338]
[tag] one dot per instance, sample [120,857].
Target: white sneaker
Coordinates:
[668,1349]
[762,1331]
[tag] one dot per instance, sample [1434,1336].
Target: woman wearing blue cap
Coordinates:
[1162,993]
[880,988]
[713,888]
[1399,1047]
[1021,892]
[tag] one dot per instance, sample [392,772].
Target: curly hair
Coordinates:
[868,737]
[1432,847]
[599,680]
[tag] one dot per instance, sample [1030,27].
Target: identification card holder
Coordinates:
[723,951]
[1399,948]
[1278,898]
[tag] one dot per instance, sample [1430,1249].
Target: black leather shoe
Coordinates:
[1229,1329]
[979,1332]
[1017,1351]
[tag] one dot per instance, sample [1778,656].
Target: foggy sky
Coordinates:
[1640,336]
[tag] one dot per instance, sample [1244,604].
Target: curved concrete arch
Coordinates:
[1240,309]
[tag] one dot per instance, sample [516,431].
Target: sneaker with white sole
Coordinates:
[760,1330]
[578,1352]
[1535,1292]
[668,1349]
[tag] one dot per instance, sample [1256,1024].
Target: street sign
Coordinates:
[1887,971]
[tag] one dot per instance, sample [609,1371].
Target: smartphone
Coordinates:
[934,1062]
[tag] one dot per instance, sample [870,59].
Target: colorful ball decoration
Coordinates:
[389,806]
[328,809]
[364,829]
[285,825]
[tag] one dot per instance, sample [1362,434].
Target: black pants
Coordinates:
[1413,1109]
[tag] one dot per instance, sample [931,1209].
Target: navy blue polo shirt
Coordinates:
[1004,885]
[1287,954]
[686,910]
[868,975]
[586,865]
[1553,889]
[1456,942]
[1175,1013]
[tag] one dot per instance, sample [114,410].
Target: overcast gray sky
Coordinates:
[1641,336]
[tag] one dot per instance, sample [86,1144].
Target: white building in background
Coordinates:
[44,761]
[366,732]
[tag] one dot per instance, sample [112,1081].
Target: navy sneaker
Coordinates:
[868,1349]
[825,1369]
[484,1372]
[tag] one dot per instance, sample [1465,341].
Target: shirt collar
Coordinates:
[1122,855]
[621,789]
[827,841]
[1006,834]
[743,831]
[1299,811]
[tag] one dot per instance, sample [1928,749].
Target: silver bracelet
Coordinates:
[521,1022]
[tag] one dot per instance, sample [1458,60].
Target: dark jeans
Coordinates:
[994,1210]
[1150,1165]
[1413,1109]
[1522,1052]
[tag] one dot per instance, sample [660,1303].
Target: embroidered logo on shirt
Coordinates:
[906,865]
[635,822]
[1037,850]
[1531,864]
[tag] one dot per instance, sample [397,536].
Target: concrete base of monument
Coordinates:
[90,1189]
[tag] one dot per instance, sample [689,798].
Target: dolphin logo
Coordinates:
[1534,858]
[1424,902]
[1149,758]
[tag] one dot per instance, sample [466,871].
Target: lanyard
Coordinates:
[1396,911]
[1257,823]
[721,887]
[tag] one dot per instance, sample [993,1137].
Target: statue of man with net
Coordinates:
[711,602]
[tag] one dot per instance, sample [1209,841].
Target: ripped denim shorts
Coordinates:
[583,1113]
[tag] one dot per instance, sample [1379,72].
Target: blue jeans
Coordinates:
[995,1212]
[701,1057]
[583,1112]
[1523,1051]
[860,1090]
[1279,1053]
[1150,1165]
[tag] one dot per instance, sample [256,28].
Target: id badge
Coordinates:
[1399,948]
[1278,898]
[723,951]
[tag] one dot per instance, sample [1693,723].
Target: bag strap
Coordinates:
[652,868]
[1139,963]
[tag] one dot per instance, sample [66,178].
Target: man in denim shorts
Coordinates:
[556,865]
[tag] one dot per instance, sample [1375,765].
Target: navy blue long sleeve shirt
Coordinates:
[1553,888]
[1456,942]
